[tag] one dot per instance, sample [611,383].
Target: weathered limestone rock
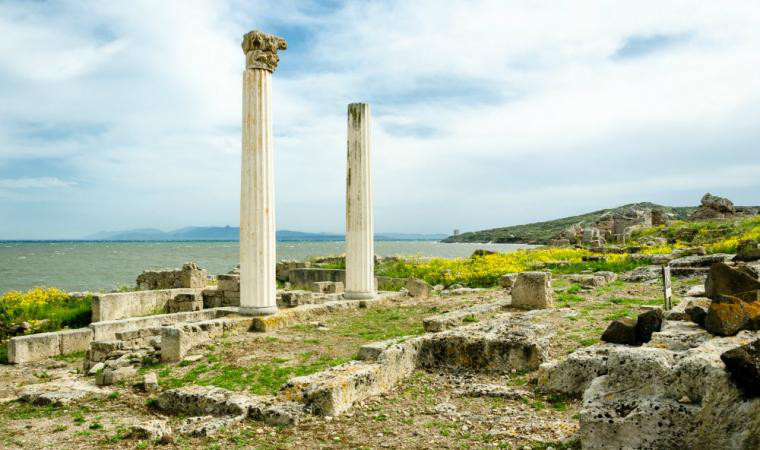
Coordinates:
[713,207]
[460,317]
[697,314]
[743,363]
[418,288]
[532,290]
[23,349]
[108,376]
[258,289]
[185,303]
[208,401]
[154,430]
[327,287]
[360,246]
[518,341]
[189,276]
[124,305]
[597,279]
[725,280]
[728,315]
[495,391]
[700,260]
[644,273]
[507,281]
[150,382]
[660,398]
[60,392]
[621,331]
[647,323]
[748,251]
[302,278]
[176,341]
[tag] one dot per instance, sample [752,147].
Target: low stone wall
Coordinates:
[35,347]
[123,305]
[108,329]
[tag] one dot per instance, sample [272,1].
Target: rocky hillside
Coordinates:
[545,232]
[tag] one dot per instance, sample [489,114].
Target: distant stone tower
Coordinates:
[456,231]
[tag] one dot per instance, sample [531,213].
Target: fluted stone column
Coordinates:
[360,230]
[258,287]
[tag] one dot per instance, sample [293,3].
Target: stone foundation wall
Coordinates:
[123,305]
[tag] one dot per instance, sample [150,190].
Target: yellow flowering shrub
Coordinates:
[49,304]
[484,271]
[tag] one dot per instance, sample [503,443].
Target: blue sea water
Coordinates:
[80,265]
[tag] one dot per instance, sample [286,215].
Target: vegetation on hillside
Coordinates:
[486,270]
[717,236]
[543,232]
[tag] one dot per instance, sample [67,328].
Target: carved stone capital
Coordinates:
[261,50]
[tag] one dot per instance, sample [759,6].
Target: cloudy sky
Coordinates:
[120,115]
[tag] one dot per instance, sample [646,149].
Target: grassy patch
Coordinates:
[45,309]
[263,378]
[382,324]
[636,301]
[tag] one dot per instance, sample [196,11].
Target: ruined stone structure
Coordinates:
[257,227]
[189,276]
[360,247]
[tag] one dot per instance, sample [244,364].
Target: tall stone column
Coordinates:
[360,230]
[258,287]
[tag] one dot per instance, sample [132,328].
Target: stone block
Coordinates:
[336,287]
[73,341]
[418,288]
[185,303]
[532,290]
[320,286]
[507,280]
[35,347]
[228,282]
[303,277]
[621,331]
[189,276]
[108,376]
[212,297]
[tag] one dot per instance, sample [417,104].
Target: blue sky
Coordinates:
[119,115]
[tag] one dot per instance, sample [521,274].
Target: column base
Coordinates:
[359,295]
[258,310]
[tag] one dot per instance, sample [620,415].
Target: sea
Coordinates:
[105,266]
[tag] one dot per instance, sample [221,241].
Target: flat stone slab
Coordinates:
[209,401]
[495,391]
[461,317]
[518,341]
[60,392]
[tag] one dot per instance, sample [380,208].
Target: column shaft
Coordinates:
[258,287]
[360,246]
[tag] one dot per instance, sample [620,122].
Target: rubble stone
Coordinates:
[725,280]
[418,288]
[621,331]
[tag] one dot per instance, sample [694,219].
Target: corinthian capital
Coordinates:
[261,50]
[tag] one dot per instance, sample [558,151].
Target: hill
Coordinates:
[543,232]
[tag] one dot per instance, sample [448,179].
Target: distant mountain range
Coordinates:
[233,234]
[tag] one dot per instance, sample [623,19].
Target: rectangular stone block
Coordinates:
[303,277]
[533,290]
[320,287]
[124,305]
[212,297]
[177,340]
[35,347]
[228,282]
[73,341]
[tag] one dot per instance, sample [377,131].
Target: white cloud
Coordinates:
[34,183]
[486,113]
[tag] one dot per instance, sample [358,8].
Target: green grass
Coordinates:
[263,378]
[382,324]
[619,314]
[625,265]
[636,301]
